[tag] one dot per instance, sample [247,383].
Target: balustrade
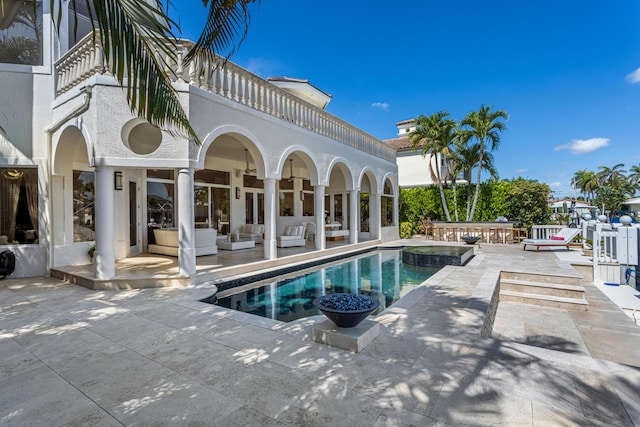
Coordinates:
[232,82]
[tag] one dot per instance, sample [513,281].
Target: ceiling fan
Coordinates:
[247,170]
[291,177]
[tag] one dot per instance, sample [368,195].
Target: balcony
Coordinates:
[232,82]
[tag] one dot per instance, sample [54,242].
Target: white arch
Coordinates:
[343,166]
[392,178]
[307,157]
[63,151]
[254,145]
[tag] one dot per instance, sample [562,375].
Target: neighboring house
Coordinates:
[413,168]
[633,205]
[77,168]
[569,209]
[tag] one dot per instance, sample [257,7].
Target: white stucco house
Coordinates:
[413,168]
[633,205]
[78,169]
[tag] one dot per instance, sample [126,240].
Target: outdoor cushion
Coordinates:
[557,238]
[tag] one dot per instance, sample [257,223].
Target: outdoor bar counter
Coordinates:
[487,231]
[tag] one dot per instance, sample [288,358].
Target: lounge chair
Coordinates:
[562,238]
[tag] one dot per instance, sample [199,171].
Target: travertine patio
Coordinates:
[73,356]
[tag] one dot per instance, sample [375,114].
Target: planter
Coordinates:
[346,310]
[470,240]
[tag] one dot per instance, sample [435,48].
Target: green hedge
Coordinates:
[517,200]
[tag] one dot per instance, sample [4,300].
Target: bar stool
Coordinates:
[480,232]
[523,234]
[451,234]
[492,235]
[428,231]
[438,233]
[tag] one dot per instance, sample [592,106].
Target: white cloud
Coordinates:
[581,146]
[634,76]
[522,170]
[382,105]
[555,184]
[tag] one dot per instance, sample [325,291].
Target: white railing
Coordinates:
[545,231]
[232,82]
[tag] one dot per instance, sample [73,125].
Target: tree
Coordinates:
[434,135]
[614,176]
[131,31]
[585,181]
[485,126]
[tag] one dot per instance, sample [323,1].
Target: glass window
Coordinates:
[286,203]
[18,205]
[79,22]
[386,205]
[221,206]
[308,198]
[212,177]
[160,197]
[250,181]
[21,32]
[160,174]
[364,212]
[201,208]
[84,206]
[308,204]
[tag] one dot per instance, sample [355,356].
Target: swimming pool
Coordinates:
[380,274]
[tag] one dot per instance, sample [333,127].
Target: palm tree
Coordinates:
[131,31]
[614,176]
[485,126]
[634,177]
[586,181]
[434,134]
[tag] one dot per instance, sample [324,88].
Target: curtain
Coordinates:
[9,195]
[31,186]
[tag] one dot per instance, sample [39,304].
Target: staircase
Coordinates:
[564,292]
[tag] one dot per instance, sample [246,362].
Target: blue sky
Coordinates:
[563,70]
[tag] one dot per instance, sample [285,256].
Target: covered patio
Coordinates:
[155,271]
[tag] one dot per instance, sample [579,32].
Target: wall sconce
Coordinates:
[282,195]
[117,180]
[238,193]
[301,195]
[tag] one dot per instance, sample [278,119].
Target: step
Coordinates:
[555,289]
[579,304]
[563,279]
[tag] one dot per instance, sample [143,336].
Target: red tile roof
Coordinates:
[400,144]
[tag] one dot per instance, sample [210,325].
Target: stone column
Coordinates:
[186,223]
[270,247]
[320,243]
[354,216]
[104,257]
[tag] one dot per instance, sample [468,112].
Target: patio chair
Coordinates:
[562,238]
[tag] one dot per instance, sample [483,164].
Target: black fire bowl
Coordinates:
[470,240]
[346,310]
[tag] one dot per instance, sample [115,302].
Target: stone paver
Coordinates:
[71,356]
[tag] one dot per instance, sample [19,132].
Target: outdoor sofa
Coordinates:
[293,236]
[167,241]
[253,232]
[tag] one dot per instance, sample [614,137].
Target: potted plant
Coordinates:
[91,251]
[346,310]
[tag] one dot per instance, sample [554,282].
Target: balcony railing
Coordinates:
[231,82]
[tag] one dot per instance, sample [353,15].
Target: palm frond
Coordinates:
[136,37]
[225,29]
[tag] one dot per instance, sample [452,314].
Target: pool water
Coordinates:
[380,274]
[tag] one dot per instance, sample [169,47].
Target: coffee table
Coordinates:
[234,245]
